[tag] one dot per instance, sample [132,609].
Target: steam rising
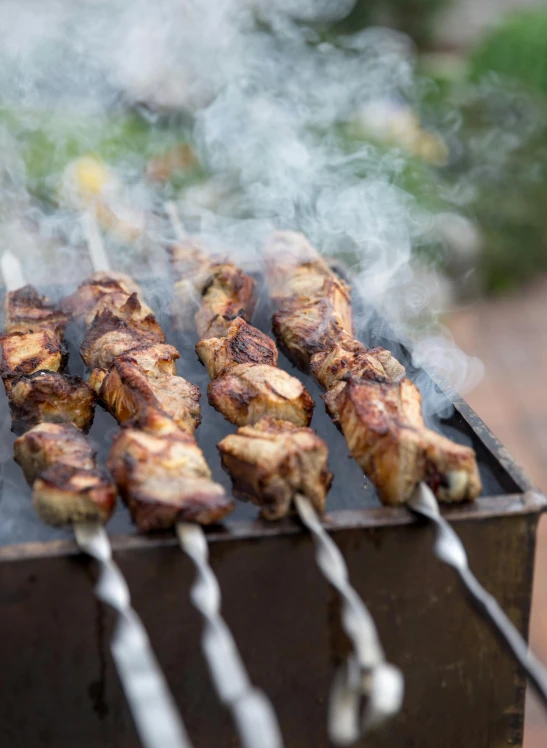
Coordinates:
[270,98]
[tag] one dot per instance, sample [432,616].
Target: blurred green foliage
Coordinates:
[48,141]
[413,17]
[515,49]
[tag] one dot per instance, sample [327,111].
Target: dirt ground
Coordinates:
[510,336]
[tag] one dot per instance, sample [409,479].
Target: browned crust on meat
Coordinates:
[273,461]
[165,480]
[111,336]
[59,464]
[249,392]
[49,396]
[64,495]
[129,391]
[243,344]
[213,291]
[25,310]
[378,410]
[116,293]
[26,353]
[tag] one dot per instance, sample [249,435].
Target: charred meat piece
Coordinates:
[272,461]
[26,353]
[165,479]
[348,357]
[49,396]
[249,392]
[115,293]
[314,304]
[58,462]
[26,311]
[378,410]
[109,337]
[243,344]
[64,495]
[49,443]
[384,429]
[228,294]
[215,293]
[143,379]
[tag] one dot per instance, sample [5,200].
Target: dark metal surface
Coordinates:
[59,688]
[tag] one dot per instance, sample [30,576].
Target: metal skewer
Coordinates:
[449,549]
[251,710]
[152,706]
[366,690]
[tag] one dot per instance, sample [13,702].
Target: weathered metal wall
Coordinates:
[59,687]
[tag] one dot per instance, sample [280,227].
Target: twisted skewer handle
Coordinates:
[450,550]
[156,717]
[254,716]
[366,677]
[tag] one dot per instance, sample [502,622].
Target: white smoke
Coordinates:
[272,97]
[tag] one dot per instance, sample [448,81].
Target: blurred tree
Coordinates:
[516,49]
[413,17]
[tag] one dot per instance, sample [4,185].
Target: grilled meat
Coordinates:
[378,410]
[160,470]
[56,458]
[222,291]
[272,461]
[110,336]
[58,463]
[243,344]
[349,357]
[384,428]
[248,392]
[314,304]
[164,479]
[114,292]
[26,353]
[273,456]
[49,396]
[26,311]
[143,379]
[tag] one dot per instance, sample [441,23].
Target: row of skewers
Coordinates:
[273,458]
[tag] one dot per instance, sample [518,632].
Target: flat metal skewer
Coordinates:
[449,549]
[157,720]
[366,690]
[251,710]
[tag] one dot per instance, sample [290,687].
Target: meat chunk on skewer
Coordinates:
[25,310]
[49,396]
[243,344]
[143,379]
[384,428]
[26,353]
[377,409]
[110,336]
[272,461]
[58,462]
[164,479]
[210,293]
[116,293]
[248,392]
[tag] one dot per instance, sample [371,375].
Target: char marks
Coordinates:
[368,396]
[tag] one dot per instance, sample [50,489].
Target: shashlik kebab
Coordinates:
[274,459]
[54,411]
[368,396]
[159,469]
[379,412]
[55,456]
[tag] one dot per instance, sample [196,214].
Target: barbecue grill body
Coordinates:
[59,687]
